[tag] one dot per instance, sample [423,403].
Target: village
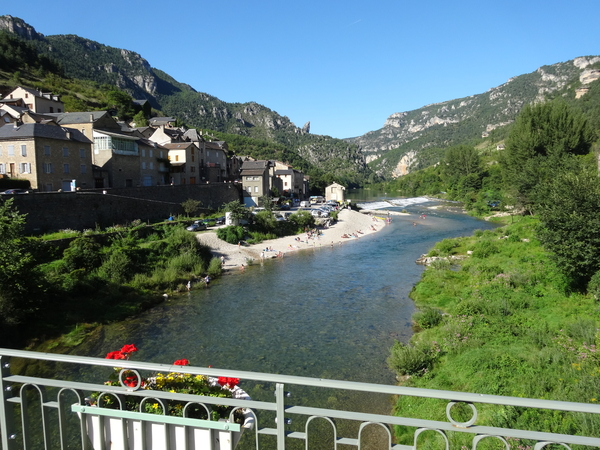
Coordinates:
[54,151]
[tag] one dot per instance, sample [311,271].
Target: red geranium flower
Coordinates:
[181,362]
[130,381]
[116,355]
[228,382]
[129,348]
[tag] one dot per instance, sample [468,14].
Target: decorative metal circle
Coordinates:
[461,424]
[128,372]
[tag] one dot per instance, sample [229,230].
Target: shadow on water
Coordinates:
[330,312]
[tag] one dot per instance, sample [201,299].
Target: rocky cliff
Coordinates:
[455,121]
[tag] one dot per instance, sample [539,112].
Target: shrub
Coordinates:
[302,219]
[593,287]
[116,268]
[441,264]
[407,359]
[428,317]
[484,249]
[446,246]
[82,253]
[215,268]
[231,234]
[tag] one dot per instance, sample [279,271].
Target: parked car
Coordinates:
[209,222]
[304,204]
[15,191]
[197,226]
[220,220]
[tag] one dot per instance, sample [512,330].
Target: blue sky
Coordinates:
[345,66]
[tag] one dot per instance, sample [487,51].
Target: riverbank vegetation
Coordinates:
[519,316]
[506,322]
[99,278]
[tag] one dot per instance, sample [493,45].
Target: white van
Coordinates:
[304,204]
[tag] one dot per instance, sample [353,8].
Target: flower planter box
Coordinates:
[110,429]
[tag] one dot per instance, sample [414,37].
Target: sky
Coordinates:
[343,66]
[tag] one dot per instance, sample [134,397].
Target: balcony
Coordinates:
[42,411]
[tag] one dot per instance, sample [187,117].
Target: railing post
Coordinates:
[7,428]
[280,418]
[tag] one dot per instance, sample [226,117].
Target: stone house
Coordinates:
[335,191]
[290,182]
[37,101]
[51,157]
[116,152]
[255,181]
[216,161]
[183,161]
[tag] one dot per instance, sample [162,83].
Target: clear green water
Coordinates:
[328,312]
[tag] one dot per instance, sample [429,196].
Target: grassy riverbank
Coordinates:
[504,322]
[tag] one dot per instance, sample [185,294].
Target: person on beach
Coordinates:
[207,280]
[222,260]
[189,286]
[242,268]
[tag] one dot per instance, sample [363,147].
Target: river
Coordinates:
[330,312]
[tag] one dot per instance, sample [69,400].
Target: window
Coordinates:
[11,150]
[143,153]
[176,157]
[150,153]
[82,152]
[23,150]
[82,130]
[143,165]
[48,168]
[65,168]
[25,167]
[151,166]
[255,189]
[0,150]
[249,189]
[65,152]
[46,150]
[83,168]
[2,169]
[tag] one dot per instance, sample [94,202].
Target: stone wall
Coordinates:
[52,211]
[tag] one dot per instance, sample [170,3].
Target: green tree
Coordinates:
[461,160]
[140,119]
[569,224]
[540,143]
[191,206]
[20,280]
[237,210]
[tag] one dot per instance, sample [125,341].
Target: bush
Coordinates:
[82,253]
[302,219]
[231,234]
[407,359]
[116,268]
[484,249]
[428,317]
[215,268]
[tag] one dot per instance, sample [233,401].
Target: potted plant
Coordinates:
[144,422]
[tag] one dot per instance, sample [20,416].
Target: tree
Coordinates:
[569,223]
[191,206]
[237,210]
[541,142]
[20,279]
[461,161]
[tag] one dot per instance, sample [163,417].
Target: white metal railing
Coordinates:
[52,411]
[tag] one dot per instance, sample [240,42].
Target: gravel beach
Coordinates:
[349,222]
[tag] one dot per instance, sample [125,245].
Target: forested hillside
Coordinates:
[89,61]
[472,120]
